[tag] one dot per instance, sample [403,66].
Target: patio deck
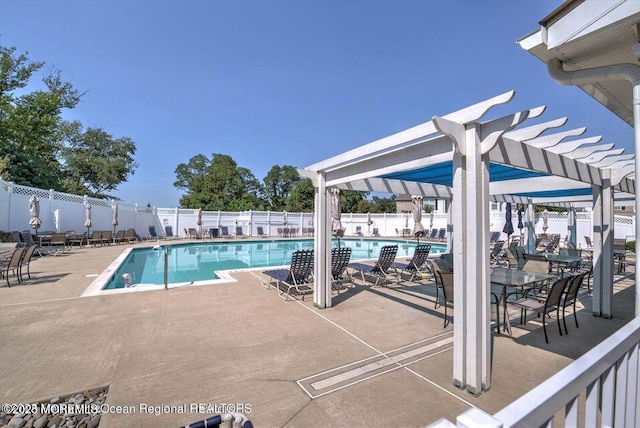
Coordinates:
[240,343]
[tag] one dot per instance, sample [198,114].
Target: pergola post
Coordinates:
[447,206]
[602,247]
[322,245]
[571,226]
[470,214]
[531,228]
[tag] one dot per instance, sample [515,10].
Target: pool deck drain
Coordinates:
[359,371]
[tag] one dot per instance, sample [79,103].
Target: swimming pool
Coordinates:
[195,262]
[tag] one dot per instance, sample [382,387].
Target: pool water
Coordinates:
[194,262]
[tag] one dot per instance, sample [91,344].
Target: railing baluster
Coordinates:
[571,413]
[621,388]
[592,404]
[607,396]
[632,418]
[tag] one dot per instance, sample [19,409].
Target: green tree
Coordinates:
[302,196]
[383,205]
[95,161]
[352,201]
[217,184]
[278,184]
[38,148]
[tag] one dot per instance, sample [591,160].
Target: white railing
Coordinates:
[608,376]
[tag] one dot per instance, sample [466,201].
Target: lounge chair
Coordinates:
[130,235]
[261,232]
[153,234]
[442,234]
[340,258]
[551,303]
[381,268]
[375,232]
[296,279]
[17,238]
[193,233]
[168,232]
[414,266]
[107,237]
[96,238]
[239,233]
[213,232]
[495,236]
[224,231]
[358,231]
[119,238]
[12,264]
[433,235]
[496,258]
[25,261]
[28,239]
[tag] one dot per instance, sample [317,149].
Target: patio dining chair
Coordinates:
[381,268]
[545,307]
[446,279]
[571,296]
[413,267]
[297,279]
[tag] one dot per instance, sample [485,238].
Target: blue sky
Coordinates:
[285,82]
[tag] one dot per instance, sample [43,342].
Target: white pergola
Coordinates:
[595,45]
[469,161]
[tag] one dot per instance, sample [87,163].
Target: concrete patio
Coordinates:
[240,343]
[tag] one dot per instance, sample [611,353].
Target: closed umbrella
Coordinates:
[87,219]
[508,225]
[199,221]
[285,218]
[336,214]
[369,223]
[114,217]
[431,220]
[418,229]
[545,220]
[520,225]
[34,211]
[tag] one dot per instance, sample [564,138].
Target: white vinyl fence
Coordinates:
[61,212]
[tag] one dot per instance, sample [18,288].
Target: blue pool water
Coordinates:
[200,261]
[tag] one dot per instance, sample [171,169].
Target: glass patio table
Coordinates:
[516,279]
[562,261]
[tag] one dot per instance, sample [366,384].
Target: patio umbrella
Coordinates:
[336,213]
[508,225]
[284,217]
[418,229]
[520,224]
[369,223]
[34,211]
[199,221]
[545,220]
[431,220]
[87,220]
[114,216]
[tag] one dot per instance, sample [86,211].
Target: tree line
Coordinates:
[39,148]
[218,183]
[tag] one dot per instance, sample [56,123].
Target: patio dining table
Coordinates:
[562,261]
[513,278]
